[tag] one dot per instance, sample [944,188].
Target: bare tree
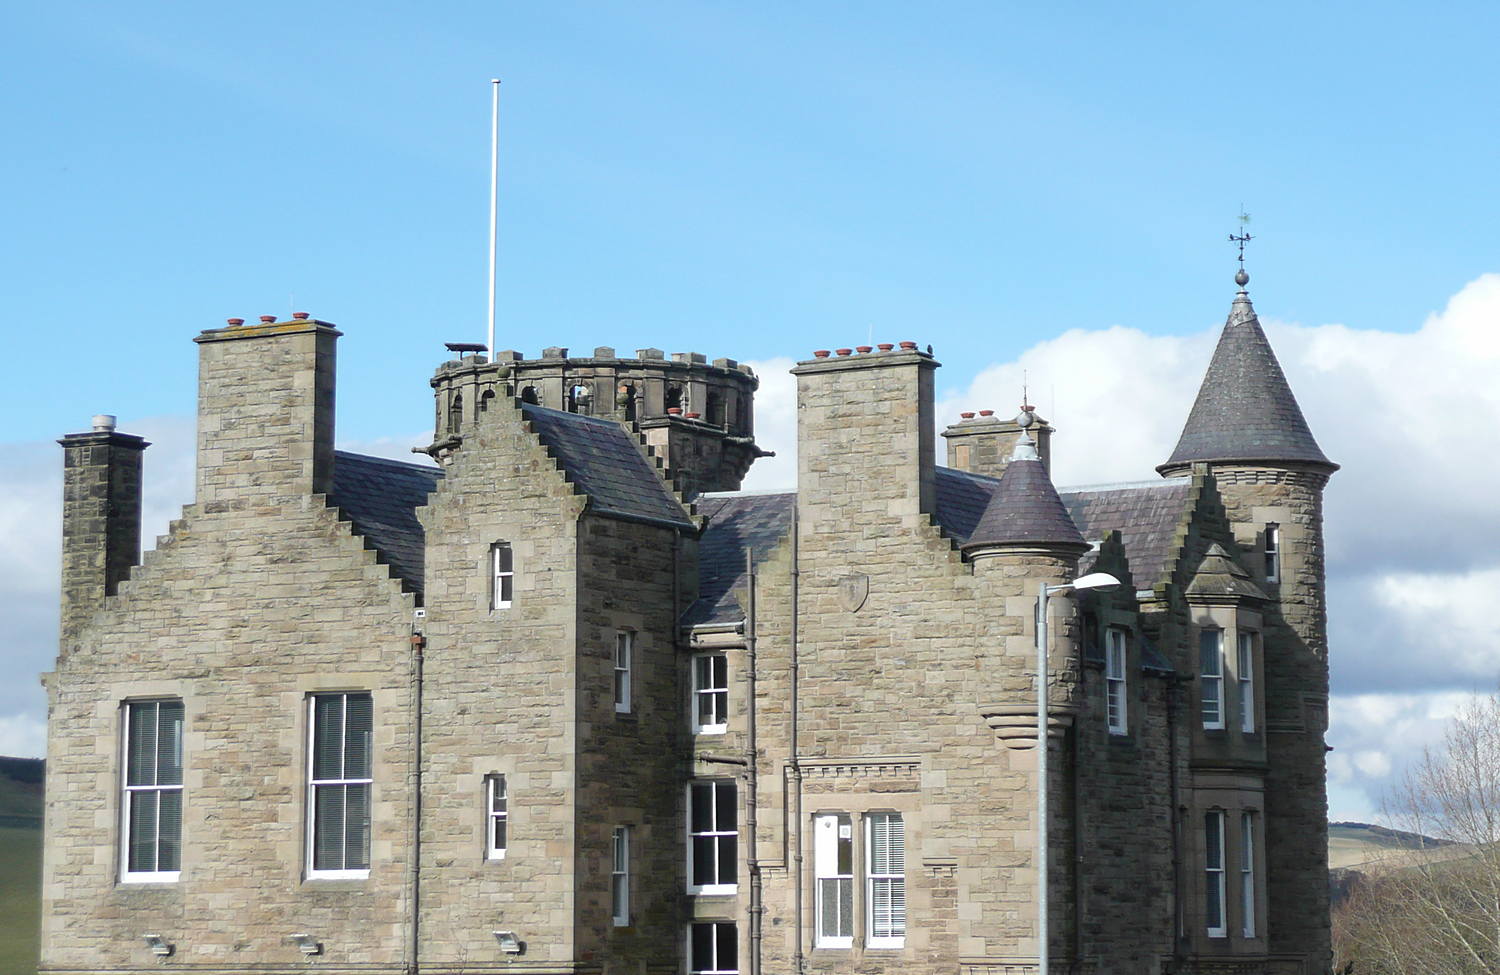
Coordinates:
[1436,911]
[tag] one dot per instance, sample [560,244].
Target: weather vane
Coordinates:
[1243,236]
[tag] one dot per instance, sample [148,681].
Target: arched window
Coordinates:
[484,400]
[528,395]
[456,413]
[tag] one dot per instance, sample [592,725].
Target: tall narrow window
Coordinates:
[619,877]
[1114,680]
[339,784]
[1247,873]
[713,837]
[152,800]
[710,693]
[1211,676]
[713,949]
[502,575]
[1245,672]
[497,817]
[833,865]
[1213,873]
[1273,552]
[886,878]
[624,646]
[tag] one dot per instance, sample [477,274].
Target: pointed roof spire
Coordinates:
[1025,510]
[1245,409]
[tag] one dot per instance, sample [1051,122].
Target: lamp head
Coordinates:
[1097,581]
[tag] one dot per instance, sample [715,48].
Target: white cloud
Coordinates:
[23,736]
[775,426]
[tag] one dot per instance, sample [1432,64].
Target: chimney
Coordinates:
[983,444]
[265,410]
[864,438]
[101,517]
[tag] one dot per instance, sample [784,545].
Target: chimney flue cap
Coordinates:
[235,321]
[104,423]
[301,316]
[268,318]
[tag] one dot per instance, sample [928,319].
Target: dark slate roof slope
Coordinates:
[961,500]
[381,498]
[1145,515]
[736,523]
[607,464]
[1025,510]
[1245,409]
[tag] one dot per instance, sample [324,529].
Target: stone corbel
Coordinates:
[1015,724]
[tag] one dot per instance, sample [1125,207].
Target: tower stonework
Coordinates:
[1247,428]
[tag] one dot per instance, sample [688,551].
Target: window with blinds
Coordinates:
[339,781]
[151,805]
[885,879]
[833,866]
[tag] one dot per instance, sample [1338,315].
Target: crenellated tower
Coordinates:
[696,415]
[1247,428]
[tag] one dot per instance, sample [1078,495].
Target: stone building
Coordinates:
[570,702]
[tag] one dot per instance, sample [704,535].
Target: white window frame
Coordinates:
[1211,705]
[1213,874]
[892,880]
[129,791]
[496,816]
[1245,674]
[830,832]
[619,877]
[1247,874]
[624,659]
[502,575]
[717,832]
[717,966]
[314,784]
[1115,686]
[710,694]
[1273,552]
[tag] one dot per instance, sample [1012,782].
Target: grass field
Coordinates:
[20,898]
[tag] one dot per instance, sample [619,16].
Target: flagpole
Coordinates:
[494,202]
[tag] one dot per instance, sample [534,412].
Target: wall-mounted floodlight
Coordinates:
[306,943]
[509,943]
[158,945]
[1097,582]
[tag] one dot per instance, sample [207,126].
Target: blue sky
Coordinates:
[1007,183]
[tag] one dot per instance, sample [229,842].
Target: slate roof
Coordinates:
[737,522]
[1146,515]
[1024,509]
[607,464]
[380,497]
[1245,410]
[1219,575]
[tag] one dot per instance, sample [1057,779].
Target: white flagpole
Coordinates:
[494,195]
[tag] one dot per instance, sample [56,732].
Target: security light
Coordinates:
[306,943]
[509,943]
[158,944]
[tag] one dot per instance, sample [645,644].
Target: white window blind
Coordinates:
[886,881]
[833,867]
[339,783]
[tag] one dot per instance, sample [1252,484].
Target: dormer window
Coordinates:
[502,575]
[1273,552]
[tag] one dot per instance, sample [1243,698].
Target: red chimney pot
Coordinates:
[301,316]
[908,345]
[821,354]
[986,412]
[268,318]
[885,346]
[844,351]
[235,321]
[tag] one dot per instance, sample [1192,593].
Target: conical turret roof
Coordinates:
[1245,410]
[1025,509]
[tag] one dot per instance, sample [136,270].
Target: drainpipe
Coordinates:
[752,862]
[800,961]
[414,867]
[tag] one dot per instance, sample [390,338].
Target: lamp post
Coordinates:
[1099,582]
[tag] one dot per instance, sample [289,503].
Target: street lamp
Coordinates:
[1098,582]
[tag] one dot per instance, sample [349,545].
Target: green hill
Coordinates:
[21,788]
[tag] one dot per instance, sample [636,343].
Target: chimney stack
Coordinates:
[265,410]
[101,517]
[983,444]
